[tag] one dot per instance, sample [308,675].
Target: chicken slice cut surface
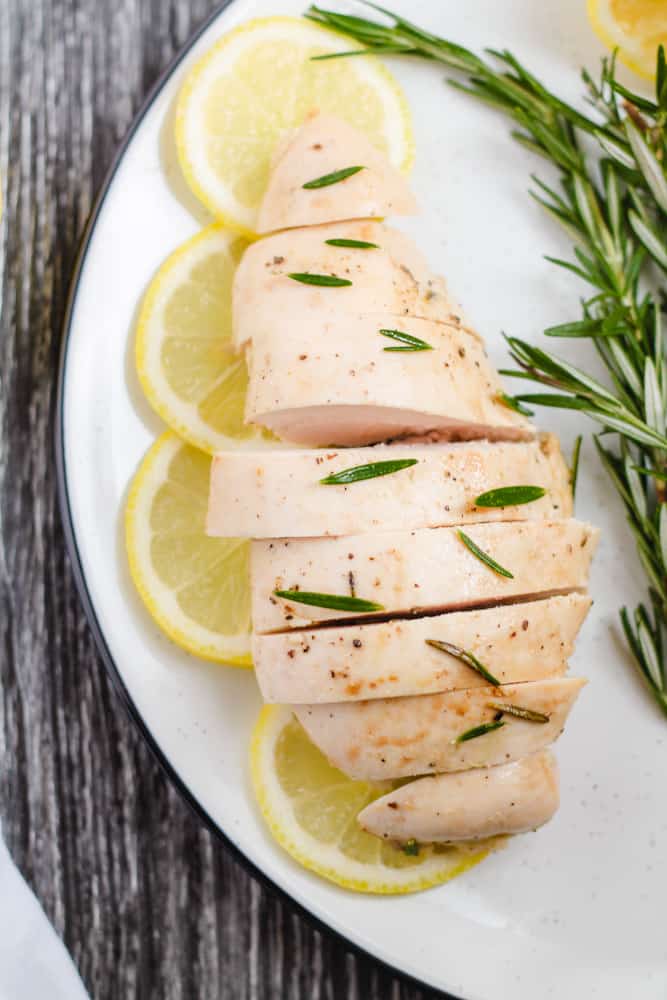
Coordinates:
[393,279]
[322,146]
[400,737]
[416,572]
[335,378]
[514,642]
[469,805]
[279,493]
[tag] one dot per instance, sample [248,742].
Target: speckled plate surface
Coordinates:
[576,910]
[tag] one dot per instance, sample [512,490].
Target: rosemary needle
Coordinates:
[510,496]
[325,280]
[352,244]
[466,657]
[408,342]
[333,178]
[482,730]
[574,467]
[517,710]
[338,602]
[484,556]
[514,404]
[357,473]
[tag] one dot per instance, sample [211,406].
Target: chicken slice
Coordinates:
[400,737]
[324,145]
[469,805]
[272,494]
[515,642]
[334,378]
[393,279]
[412,572]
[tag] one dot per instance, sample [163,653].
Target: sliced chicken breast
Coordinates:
[334,378]
[412,572]
[514,642]
[393,279]
[400,737]
[322,146]
[272,494]
[469,805]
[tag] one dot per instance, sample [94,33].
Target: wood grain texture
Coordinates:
[147,900]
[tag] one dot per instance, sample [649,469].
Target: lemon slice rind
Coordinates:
[632,52]
[158,598]
[179,414]
[191,130]
[325,859]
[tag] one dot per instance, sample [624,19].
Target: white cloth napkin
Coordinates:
[34,964]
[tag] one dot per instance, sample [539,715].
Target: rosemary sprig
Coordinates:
[338,602]
[326,180]
[466,657]
[481,730]
[510,496]
[614,206]
[325,280]
[529,714]
[357,473]
[484,556]
[352,244]
[409,342]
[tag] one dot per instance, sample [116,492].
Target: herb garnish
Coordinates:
[615,208]
[486,727]
[410,343]
[465,656]
[352,244]
[339,602]
[521,713]
[509,496]
[326,280]
[659,476]
[484,556]
[411,848]
[357,473]
[574,467]
[333,178]
[514,404]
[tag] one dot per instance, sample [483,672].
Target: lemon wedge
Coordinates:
[311,809]
[195,587]
[185,360]
[257,83]
[635,27]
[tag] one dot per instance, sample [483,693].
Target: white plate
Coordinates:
[577,909]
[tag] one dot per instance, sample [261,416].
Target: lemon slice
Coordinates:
[258,82]
[185,361]
[311,809]
[635,27]
[195,587]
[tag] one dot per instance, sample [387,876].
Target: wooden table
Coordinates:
[148,902]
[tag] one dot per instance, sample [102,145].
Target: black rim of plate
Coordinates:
[75,558]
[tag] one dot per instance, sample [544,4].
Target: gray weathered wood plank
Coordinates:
[148,902]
